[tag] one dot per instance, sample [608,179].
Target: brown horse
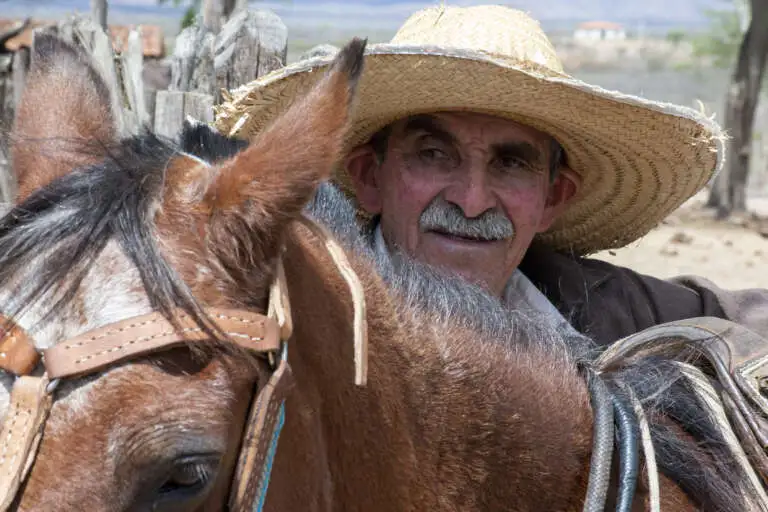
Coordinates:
[467,406]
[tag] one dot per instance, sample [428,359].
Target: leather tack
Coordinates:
[18,354]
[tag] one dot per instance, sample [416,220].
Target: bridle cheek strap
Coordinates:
[21,433]
[257,452]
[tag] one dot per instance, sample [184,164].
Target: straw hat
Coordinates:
[638,159]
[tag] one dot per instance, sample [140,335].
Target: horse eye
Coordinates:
[187,483]
[187,476]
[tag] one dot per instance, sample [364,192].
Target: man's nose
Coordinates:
[471,192]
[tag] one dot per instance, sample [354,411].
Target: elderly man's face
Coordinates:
[463,191]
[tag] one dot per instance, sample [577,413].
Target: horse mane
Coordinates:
[701,464]
[72,219]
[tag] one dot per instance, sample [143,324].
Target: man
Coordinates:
[471,150]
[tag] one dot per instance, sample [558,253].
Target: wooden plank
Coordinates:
[150,97]
[99,12]
[19,69]
[198,106]
[8,105]
[132,62]
[192,61]
[169,113]
[250,45]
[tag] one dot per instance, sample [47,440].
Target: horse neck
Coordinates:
[441,422]
[326,410]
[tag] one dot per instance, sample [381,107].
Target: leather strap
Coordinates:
[21,433]
[265,420]
[149,333]
[18,354]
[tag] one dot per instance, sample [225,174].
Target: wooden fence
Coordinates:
[250,44]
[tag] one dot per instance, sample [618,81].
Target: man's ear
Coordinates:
[362,164]
[564,187]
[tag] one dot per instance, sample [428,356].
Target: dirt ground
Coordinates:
[733,254]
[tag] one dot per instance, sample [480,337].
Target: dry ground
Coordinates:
[732,254]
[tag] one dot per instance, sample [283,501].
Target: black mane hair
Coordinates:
[71,220]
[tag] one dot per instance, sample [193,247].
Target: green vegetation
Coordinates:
[676,36]
[190,14]
[720,43]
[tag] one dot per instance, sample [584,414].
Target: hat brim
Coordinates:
[638,159]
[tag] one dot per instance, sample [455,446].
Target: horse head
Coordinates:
[134,240]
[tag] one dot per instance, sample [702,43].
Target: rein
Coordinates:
[266,336]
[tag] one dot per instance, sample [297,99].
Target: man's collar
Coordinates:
[565,279]
[519,287]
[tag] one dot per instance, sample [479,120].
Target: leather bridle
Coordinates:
[38,373]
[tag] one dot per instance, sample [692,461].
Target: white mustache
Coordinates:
[441,215]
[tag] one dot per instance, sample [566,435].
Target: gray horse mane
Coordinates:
[421,287]
[704,468]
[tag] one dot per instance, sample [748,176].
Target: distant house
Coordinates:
[599,31]
[152,35]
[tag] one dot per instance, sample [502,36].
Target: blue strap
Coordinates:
[267,471]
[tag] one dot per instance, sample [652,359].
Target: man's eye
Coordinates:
[511,162]
[432,154]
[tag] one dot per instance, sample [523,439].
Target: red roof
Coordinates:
[152,35]
[600,25]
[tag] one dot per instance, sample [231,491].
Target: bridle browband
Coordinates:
[266,336]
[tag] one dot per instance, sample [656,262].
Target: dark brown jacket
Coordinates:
[607,302]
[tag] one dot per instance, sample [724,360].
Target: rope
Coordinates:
[649,452]
[709,398]
[628,453]
[602,445]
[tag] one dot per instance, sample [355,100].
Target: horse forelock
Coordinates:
[82,251]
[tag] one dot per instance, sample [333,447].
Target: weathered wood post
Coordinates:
[99,12]
[7,111]
[251,44]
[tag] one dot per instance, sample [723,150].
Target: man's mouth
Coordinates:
[462,237]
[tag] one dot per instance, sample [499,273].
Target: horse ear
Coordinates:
[64,118]
[268,183]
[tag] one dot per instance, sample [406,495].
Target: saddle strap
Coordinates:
[21,433]
[265,421]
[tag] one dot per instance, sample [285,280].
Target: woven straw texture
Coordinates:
[638,159]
